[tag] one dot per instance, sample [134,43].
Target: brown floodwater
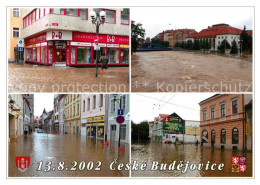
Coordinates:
[67,148]
[167,153]
[39,78]
[182,71]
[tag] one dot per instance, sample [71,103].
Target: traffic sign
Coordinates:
[120,112]
[120,119]
[96,47]
[20,43]
[20,48]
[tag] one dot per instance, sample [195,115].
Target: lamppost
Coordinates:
[97,20]
[119,103]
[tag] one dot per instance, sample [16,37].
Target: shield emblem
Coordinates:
[22,163]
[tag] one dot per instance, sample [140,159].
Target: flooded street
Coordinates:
[182,71]
[30,78]
[167,153]
[67,148]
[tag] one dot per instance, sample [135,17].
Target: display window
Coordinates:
[73,50]
[50,54]
[124,58]
[113,55]
[43,54]
[83,55]
[38,54]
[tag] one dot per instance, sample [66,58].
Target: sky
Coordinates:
[41,101]
[197,18]
[146,106]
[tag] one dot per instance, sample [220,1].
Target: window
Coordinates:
[84,105]
[223,136]
[72,11]
[234,107]
[73,55]
[113,108]
[123,132]
[58,11]
[110,16]
[43,54]
[16,12]
[124,56]
[113,55]
[122,99]
[212,112]
[37,13]
[101,100]
[205,136]
[235,136]
[222,110]
[124,18]
[83,13]
[33,16]
[15,32]
[88,104]
[77,109]
[84,55]
[94,102]
[213,135]
[204,115]
[29,19]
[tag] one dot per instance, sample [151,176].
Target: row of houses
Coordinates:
[21,115]
[92,115]
[225,122]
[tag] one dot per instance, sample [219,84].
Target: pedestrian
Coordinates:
[212,143]
[104,63]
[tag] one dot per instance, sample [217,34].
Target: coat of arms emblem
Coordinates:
[22,163]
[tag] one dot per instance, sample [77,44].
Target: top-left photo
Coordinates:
[66,49]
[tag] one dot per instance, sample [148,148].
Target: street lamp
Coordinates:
[97,20]
[119,102]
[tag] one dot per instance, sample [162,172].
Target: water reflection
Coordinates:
[167,153]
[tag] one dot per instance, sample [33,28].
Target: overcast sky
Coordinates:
[158,19]
[146,106]
[41,101]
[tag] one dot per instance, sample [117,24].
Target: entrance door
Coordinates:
[113,133]
[60,55]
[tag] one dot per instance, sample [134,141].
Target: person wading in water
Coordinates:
[104,63]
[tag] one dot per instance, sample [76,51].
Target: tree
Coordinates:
[189,44]
[136,30]
[245,41]
[223,46]
[234,48]
[140,132]
[196,45]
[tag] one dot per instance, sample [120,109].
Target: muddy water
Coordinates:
[37,78]
[182,71]
[66,148]
[167,153]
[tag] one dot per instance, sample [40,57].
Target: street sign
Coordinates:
[96,47]
[20,48]
[20,43]
[120,112]
[120,119]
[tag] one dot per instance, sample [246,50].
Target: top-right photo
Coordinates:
[192,49]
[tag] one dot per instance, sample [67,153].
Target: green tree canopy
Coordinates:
[136,30]
[234,48]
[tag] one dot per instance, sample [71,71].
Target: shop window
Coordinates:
[72,11]
[16,12]
[213,135]
[73,55]
[124,18]
[205,136]
[34,54]
[50,54]
[38,54]
[110,16]
[123,132]
[84,55]
[234,107]
[223,136]
[235,136]
[124,56]
[15,32]
[83,13]
[28,54]
[113,56]
[43,54]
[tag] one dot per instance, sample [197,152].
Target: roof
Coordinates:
[210,98]
[192,35]
[163,115]
[249,32]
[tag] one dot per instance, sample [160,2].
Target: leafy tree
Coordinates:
[136,30]
[189,45]
[245,41]
[223,46]
[234,48]
[196,45]
[140,131]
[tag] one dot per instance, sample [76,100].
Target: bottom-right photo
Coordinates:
[192,135]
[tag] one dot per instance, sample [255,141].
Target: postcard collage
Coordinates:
[121,92]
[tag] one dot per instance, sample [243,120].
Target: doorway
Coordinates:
[60,55]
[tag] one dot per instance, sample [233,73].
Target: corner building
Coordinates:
[66,35]
[222,119]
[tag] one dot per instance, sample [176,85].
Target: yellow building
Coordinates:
[72,114]
[15,30]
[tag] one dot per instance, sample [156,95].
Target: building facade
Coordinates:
[55,35]
[61,102]
[56,112]
[15,27]
[30,98]
[27,114]
[72,114]
[222,121]
[115,130]
[93,115]
[15,112]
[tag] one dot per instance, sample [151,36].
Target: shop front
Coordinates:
[95,126]
[76,48]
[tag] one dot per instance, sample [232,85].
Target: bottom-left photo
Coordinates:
[68,135]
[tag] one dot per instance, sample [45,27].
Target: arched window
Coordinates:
[223,136]
[205,136]
[213,135]
[235,136]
